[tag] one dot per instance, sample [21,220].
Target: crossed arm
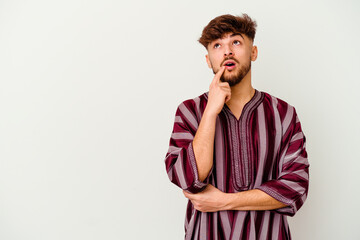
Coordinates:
[189,162]
[212,200]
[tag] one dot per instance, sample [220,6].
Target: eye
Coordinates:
[237,42]
[216,45]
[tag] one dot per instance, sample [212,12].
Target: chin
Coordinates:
[232,80]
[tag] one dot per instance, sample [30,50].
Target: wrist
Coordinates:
[229,201]
[209,114]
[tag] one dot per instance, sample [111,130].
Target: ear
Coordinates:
[208,61]
[254,53]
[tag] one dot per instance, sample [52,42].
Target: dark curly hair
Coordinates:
[221,25]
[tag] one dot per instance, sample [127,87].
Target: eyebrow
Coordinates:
[235,34]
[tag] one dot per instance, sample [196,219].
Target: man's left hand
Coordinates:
[210,199]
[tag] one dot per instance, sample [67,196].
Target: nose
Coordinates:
[228,51]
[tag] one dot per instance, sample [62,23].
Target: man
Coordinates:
[238,153]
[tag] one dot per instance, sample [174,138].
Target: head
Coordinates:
[229,41]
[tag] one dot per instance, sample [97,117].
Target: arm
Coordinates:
[203,145]
[212,200]
[291,185]
[285,194]
[187,167]
[252,200]
[189,160]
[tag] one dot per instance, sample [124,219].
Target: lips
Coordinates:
[229,64]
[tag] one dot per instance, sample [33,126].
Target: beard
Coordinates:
[235,76]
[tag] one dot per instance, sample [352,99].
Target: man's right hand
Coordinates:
[219,94]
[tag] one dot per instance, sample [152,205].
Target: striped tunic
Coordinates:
[263,149]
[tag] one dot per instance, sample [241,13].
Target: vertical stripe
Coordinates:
[198,110]
[276,226]
[215,225]
[278,128]
[219,155]
[264,225]
[191,225]
[221,173]
[252,234]
[203,225]
[287,119]
[197,227]
[239,225]
[262,144]
[180,171]
[225,223]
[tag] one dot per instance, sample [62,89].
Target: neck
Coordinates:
[242,92]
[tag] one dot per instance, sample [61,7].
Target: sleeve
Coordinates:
[291,186]
[180,159]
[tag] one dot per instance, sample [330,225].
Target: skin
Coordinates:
[241,49]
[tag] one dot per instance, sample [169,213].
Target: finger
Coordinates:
[219,74]
[227,98]
[224,84]
[225,89]
[188,195]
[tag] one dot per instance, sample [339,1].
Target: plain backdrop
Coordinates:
[88,95]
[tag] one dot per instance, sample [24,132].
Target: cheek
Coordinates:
[215,61]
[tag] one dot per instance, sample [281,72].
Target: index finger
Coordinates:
[219,74]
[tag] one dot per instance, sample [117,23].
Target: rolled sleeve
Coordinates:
[180,159]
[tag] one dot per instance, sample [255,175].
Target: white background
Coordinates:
[88,95]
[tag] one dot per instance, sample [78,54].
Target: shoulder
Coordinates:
[281,110]
[276,101]
[192,109]
[194,105]
[281,106]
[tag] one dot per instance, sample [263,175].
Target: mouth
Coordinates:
[229,65]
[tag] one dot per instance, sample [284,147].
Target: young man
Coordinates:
[238,153]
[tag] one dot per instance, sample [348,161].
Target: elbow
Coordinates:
[291,209]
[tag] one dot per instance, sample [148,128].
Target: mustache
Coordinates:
[228,58]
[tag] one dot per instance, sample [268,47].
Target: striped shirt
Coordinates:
[263,149]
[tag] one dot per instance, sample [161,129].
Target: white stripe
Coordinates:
[219,155]
[182,135]
[278,129]
[190,229]
[262,145]
[178,119]
[252,234]
[226,224]
[188,115]
[174,150]
[276,226]
[196,234]
[288,157]
[203,225]
[264,225]
[180,171]
[197,103]
[288,118]
[239,224]
[297,136]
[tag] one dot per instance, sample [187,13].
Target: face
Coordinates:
[235,52]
